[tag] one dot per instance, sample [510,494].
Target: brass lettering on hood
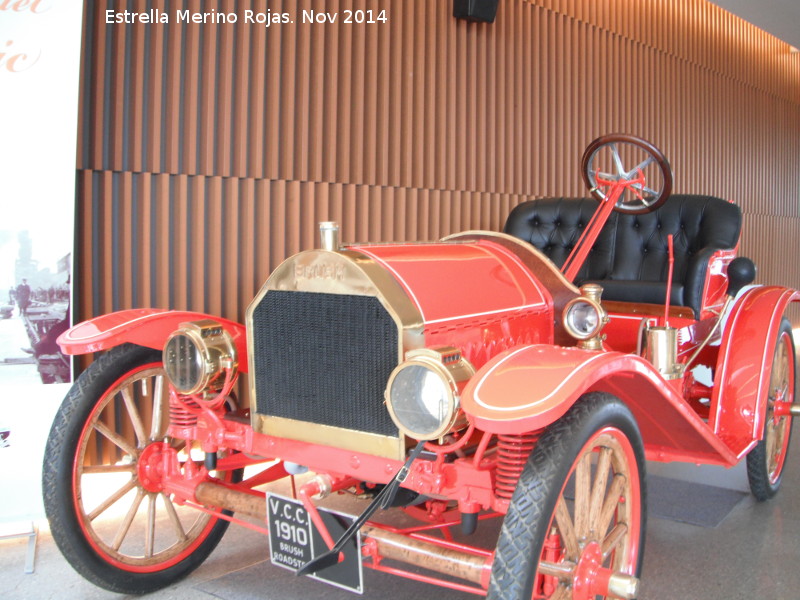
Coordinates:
[320,271]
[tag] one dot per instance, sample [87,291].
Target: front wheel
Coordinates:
[765,462]
[578,510]
[107,516]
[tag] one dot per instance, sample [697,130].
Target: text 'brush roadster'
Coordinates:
[523,376]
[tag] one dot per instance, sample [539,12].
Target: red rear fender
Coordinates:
[148,327]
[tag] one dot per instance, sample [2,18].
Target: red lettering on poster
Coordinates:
[34,6]
[15,62]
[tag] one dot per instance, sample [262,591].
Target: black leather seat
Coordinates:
[630,257]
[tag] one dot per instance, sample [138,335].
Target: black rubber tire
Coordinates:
[57,481]
[533,504]
[763,484]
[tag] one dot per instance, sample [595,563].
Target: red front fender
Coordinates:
[530,387]
[148,327]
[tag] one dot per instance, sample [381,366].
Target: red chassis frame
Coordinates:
[680,419]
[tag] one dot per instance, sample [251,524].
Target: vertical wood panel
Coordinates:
[153,83]
[209,152]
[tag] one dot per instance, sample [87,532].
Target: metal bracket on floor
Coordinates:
[32,534]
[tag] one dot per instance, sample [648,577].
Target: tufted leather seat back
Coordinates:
[630,258]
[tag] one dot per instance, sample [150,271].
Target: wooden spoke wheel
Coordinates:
[579,508]
[765,462]
[102,474]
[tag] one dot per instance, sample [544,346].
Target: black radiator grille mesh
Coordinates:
[324,358]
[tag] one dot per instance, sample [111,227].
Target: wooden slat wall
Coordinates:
[208,153]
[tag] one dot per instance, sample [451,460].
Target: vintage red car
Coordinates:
[459,380]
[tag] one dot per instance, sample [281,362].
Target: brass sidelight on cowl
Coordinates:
[584,317]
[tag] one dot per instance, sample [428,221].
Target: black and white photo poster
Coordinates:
[39,80]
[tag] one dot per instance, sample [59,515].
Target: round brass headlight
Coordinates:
[197,355]
[422,393]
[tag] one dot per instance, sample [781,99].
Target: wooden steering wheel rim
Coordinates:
[658,156]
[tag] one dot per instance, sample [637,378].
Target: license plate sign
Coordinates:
[294,541]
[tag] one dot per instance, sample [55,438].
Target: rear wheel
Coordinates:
[766,461]
[578,508]
[102,497]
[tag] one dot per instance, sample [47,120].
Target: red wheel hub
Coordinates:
[151,466]
[591,578]
[585,582]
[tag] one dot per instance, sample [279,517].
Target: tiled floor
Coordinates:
[753,553]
